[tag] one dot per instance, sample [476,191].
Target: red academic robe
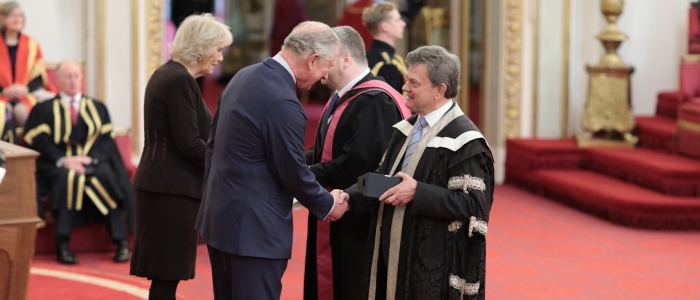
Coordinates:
[29,65]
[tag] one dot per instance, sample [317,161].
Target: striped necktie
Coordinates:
[420,124]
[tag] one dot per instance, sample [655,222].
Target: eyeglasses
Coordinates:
[15,16]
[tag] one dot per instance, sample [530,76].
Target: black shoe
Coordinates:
[122,254]
[65,255]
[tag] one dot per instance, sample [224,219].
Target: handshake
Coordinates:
[341,205]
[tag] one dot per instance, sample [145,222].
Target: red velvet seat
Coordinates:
[689,87]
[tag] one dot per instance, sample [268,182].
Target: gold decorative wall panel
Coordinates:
[135,93]
[513,67]
[154,36]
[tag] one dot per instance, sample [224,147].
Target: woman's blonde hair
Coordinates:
[198,37]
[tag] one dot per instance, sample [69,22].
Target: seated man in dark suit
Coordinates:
[79,167]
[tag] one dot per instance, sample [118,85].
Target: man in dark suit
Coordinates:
[354,130]
[255,165]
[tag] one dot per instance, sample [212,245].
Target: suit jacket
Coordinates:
[176,125]
[255,166]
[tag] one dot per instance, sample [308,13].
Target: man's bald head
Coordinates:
[70,77]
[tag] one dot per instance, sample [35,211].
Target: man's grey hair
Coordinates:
[351,42]
[443,67]
[310,38]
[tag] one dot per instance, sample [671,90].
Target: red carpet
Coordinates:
[537,249]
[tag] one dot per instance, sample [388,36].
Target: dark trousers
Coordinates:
[66,219]
[242,277]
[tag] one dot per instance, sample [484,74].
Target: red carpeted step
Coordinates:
[656,132]
[535,154]
[618,201]
[666,173]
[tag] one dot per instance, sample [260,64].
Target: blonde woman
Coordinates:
[168,180]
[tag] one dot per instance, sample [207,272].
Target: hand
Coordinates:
[77,163]
[401,194]
[341,205]
[15,91]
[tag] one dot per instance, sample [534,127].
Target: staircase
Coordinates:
[648,187]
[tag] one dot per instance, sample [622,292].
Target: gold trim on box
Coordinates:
[584,142]
[691,58]
[689,125]
[513,67]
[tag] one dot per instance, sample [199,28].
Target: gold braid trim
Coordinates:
[377,67]
[103,192]
[31,134]
[71,180]
[101,207]
[689,125]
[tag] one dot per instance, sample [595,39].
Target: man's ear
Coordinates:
[347,60]
[383,27]
[442,88]
[313,59]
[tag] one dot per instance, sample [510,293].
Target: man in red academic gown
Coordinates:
[351,137]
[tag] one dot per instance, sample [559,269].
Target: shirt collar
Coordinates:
[433,117]
[278,58]
[352,83]
[66,99]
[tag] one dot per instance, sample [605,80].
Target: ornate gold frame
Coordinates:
[154,57]
[135,102]
[464,56]
[565,70]
[100,51]
[513,67]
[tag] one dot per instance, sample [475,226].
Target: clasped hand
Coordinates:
[77,163]
[341,205]
[15,91]
[401,194]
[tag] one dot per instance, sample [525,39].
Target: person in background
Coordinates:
[23,81]
[79,167]
[384,22]
[168,180]
[350,140]
[255,166]
[428,233]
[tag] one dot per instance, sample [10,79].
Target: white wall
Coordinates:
[657,40]
[656,33]
[58,25]
[66,29]
[118,64]
[550,68]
